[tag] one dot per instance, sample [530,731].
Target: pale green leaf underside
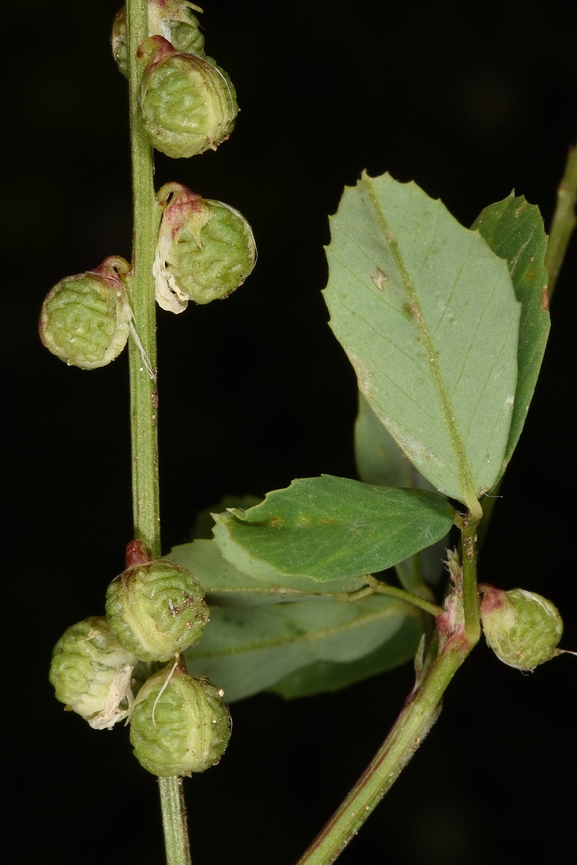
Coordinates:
[225,585]
[380,461]
[428,317]
[514,230]
[245,650]
[329,530]
[378,457]
[331,676]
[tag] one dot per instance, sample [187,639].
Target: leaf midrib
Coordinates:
[395,608]
[457,445]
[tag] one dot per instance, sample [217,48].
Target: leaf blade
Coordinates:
[514,230]
[322,676]
[434,349]
[319,531]
[380,461]
[247,650]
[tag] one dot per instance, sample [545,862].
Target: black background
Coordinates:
[469,100]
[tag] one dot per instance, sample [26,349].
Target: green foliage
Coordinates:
[514,230]
[428,317]
[378,457]
[429,313]
[326,529]
[380,461]
[256,640]
[446,329]
[249,649]
[331,675]
[226,585]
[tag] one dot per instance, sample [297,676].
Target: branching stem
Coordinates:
[393,592]
[416,719]
[376,587]
[458,631]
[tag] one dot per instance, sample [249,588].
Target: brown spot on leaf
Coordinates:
[274,522]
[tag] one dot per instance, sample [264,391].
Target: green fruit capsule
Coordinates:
[85,319]
[205,249]
[92,673]
[521,627]
[188,102]
[179,724]
[156,610]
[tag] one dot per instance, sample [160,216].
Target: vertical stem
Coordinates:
[470,593]
[174,821]
[563,219]
[143,393]
[142,358]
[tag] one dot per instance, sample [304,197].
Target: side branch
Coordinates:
[564,220]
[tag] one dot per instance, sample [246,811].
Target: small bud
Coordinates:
[179,724]
[92,673]
[188,102]
[205,249]
[85,319]
[156,610]
[521,627]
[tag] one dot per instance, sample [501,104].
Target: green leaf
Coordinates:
[378,457]
[428,317]
[514,230]
[245,650]
[380,461]
[225,585]
[323,532]
[332,676]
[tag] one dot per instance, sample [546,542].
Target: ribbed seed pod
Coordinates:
[179,724]
[521,627]
[92,673]
[85,319]
[205,249]
[188,102]
[156,610]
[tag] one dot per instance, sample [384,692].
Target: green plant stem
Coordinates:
[416,719]
[408,597]
[375,587]
[142,358]
[470,593]
[143,393]
[564,220]
[458,629]
[174,821]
